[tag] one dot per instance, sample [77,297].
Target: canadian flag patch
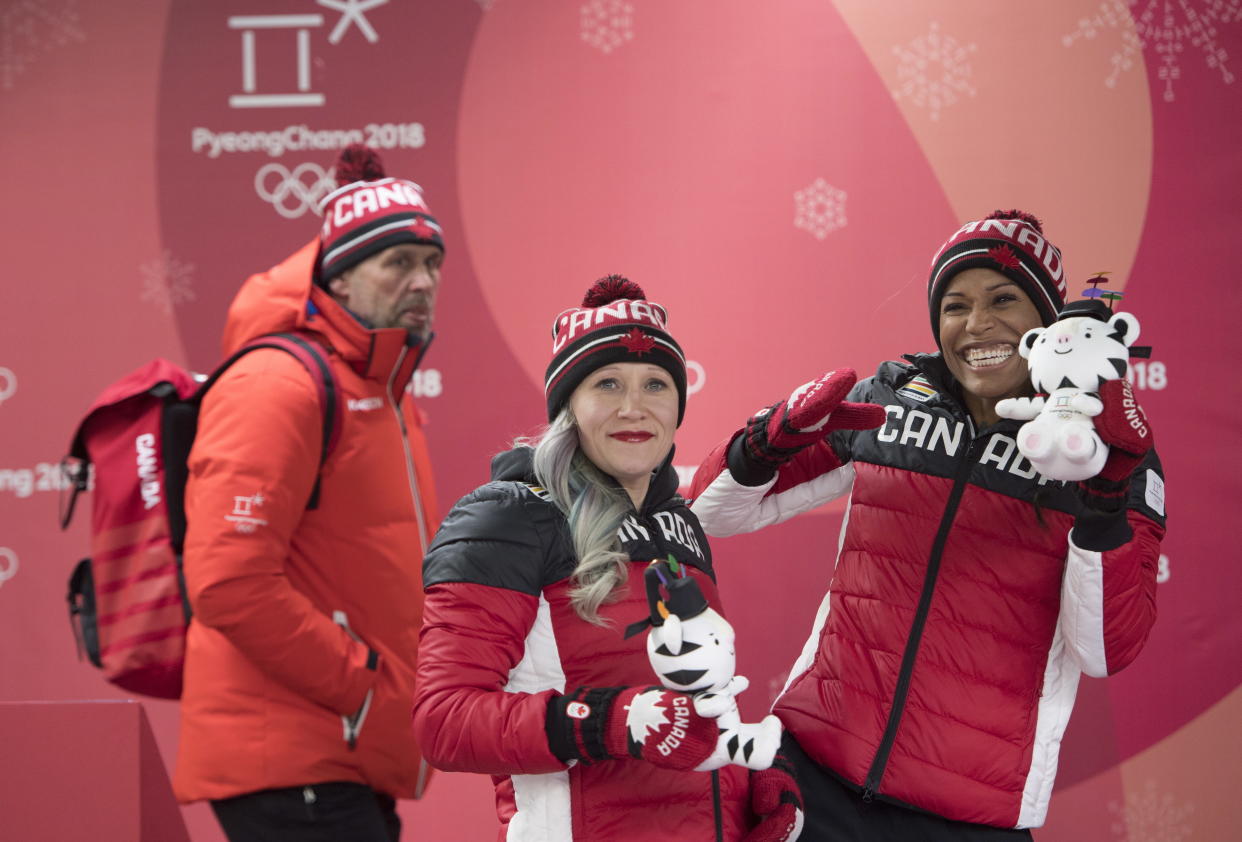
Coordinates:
[578,710]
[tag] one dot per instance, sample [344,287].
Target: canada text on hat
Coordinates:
[1011,242]
[370,212]
[1020,234]
[576,321]
[359,200]
[616,323]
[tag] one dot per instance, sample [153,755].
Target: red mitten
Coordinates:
[649,723]
[1122,425]
[777,801]
[775,434]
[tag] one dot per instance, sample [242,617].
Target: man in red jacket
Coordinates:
[300,659]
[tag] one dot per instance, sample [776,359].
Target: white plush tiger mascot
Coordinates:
[691,649]
[1069,360]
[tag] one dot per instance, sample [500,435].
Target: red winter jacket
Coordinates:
[944,660]
[301,654]
[500,638]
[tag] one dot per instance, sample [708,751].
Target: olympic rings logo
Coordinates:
[291,193]
[8,384]
[8,564]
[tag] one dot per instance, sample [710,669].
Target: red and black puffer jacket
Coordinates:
[969,595]
[500,638]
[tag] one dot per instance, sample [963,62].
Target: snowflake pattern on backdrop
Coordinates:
[29,28]
[776,684]
[820,208]
[933,71]
[1167,27]
[1151,816]
[166,282]
[607,24]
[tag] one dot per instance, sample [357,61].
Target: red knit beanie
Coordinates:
[614,324]
[370,212]
[1011,242]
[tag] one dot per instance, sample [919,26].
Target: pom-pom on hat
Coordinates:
[369,212]
[1011,242]
[616,323]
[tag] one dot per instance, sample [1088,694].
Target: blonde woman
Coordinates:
[524,672]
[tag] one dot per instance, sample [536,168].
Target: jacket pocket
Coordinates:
[353,723]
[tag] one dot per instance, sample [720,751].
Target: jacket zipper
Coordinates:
[409,459]
[879,763]
[662,545]
[716,806]
[423,769]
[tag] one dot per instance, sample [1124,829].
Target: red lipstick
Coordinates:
[632,436]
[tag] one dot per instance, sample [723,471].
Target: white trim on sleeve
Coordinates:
[726,507]
[1082,609]
[542,801]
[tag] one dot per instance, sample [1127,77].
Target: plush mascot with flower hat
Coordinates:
[691,649]
[1070,362]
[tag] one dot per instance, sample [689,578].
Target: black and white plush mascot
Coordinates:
[1069,361]
[691,649]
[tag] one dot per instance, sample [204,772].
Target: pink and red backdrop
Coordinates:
[777,176]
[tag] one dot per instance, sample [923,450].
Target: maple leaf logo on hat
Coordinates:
[616,323]
[637,342]
[1004,256]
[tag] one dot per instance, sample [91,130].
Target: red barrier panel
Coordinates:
[83,770]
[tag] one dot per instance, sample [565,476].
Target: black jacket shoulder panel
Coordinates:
[879,388]
[498,535]
[509,534]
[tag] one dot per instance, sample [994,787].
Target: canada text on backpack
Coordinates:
[127,601]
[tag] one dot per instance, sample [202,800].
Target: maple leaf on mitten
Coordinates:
[648,723]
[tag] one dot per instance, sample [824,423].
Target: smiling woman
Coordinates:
[993,280]
[626,415]
[969,593]
[523,670]
[983,315]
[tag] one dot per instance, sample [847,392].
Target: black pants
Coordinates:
[836,813]
[331,812]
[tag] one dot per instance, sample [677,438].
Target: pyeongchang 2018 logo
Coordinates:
[295,188]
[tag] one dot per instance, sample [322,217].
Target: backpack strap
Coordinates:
[311,354]
[76,476]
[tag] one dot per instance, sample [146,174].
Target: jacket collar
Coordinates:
[382,354]
[936,370]
[285,297]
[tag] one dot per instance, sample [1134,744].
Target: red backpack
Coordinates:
[127,601]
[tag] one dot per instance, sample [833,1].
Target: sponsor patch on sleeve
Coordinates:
[918,389]
[1155,492]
